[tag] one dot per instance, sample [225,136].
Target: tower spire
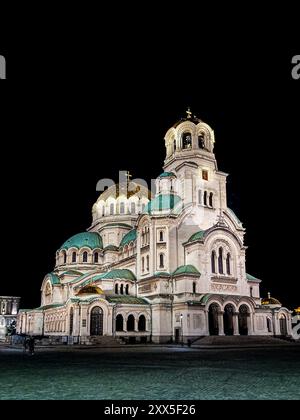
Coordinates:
[189,113]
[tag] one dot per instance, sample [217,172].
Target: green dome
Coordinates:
[162,202]
[129,237]
[90,240]
[186,269]
[197,236]
[167,175]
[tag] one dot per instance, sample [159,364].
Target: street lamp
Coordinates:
[181,317]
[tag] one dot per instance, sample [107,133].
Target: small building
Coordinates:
[9,306]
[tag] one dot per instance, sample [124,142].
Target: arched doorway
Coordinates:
[213,319]
[119,322]
[142,323]
[228,319]
[96,321]
[243,319]
[283,325]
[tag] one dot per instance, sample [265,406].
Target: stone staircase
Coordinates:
[238,340]
[104,341]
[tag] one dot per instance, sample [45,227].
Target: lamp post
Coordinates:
[181,324]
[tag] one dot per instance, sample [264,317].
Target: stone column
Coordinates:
[221,322]
[136,324]
[235,321]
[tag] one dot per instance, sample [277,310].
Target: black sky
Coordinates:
[79,108]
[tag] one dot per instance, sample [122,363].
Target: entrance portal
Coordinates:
[283,326]
[96,321]
[228,319]
[213,319]
[243,320]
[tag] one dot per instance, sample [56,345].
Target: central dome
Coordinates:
[127,190]
[90,240]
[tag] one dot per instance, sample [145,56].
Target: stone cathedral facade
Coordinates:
[163,267]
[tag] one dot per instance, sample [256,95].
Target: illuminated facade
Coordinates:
[9,306]
[164,267]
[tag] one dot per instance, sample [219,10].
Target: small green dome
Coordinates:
[162,202]
[129,237]
[90,240]
[167,175]
[186,269]
[197,236]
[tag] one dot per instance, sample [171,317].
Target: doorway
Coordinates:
[97,321]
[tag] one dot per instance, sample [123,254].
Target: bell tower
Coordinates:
[190,157]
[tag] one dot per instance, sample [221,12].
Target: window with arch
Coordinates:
[211,199]
[201,142]
[143,264]
[142,323]
[84,257]
[174,145]
[194,287]
[116,289]
[205,198]
[133,208]
[96,257]
[269,325]
[121,289]
[186,140]
[71,319]
[148,262]
[220,261]
[119,322]
[127,289]
[74,257]
[112,209]
[64,257]
[251,291]
[228,258]
[161,236]
[161,260]
[213,262]
[122,208]
[130,323]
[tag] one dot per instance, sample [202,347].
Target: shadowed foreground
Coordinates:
[151,373]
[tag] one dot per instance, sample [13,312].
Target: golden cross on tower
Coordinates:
[189,113]
[128,176]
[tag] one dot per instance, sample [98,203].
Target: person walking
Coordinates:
[31,346]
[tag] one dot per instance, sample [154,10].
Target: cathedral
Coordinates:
[160,267]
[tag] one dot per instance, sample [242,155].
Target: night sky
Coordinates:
[83,107]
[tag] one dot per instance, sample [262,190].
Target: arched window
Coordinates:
[174,145]
[116,288]
[201,143]
[119,322]
[74,257]
[220,261]
[161,260]
[96,257]
[84,257]
[228,264]
[142,323]
[130,323]
[211,199]
[112,209]
[133,208]
[121,289]
[65,257]
[194,287]
[186,141]
[205,198]
[251,291]
[148,262]
[127,289]
[122,208]
[161,236]
[213,262]
[71,321]
[200,197]
[143,264]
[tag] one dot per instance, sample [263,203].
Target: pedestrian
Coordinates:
[25,344]
[31,346]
